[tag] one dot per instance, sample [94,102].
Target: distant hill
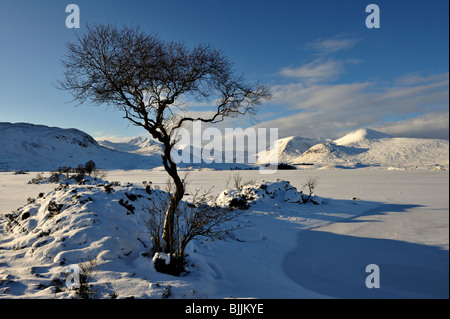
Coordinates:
[41,148]
[38,147]
[361,136]
[138,145]
[149,147]
[288,149]
[33,147]
[366,147]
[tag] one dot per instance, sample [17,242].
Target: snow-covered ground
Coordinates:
[398,220]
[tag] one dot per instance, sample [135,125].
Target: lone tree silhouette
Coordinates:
[150,80]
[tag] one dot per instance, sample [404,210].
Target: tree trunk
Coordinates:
[168,240]
[168,231]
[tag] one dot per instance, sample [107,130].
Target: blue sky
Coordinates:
[329,74]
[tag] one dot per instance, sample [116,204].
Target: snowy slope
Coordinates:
[196,158]
[37,147]
[41,148]
[138,145]
[361,136]
[287,149]
[366,147]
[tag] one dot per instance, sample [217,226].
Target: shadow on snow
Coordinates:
[335,265]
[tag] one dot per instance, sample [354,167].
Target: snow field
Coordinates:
[290,250]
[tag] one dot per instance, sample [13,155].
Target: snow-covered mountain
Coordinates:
[364,136]
[287,149]
[38,147]
[185,154]
[138,145]
[33,147]
[367,147]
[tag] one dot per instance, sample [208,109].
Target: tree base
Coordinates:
[174,267]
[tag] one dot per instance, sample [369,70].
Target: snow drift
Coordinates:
[266,194]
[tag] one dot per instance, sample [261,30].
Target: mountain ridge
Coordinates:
[28,146]
[361,135]
[368,147]
[138,145]
[288,149]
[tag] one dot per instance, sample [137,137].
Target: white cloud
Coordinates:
[329,109]
[315,106]
[309,124]
[415,78]
[332,45]
[314,71]
[320,96]
[432,125]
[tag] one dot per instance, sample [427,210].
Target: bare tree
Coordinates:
[150,80]
[89,166]
[311,184]
[198,218]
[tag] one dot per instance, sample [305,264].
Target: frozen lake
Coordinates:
[399,221]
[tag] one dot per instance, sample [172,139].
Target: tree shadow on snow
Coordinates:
[342,211]
[335,265]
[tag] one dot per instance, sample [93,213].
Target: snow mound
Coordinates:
[74,179]
[76,224]
[70,224]
[264,193]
